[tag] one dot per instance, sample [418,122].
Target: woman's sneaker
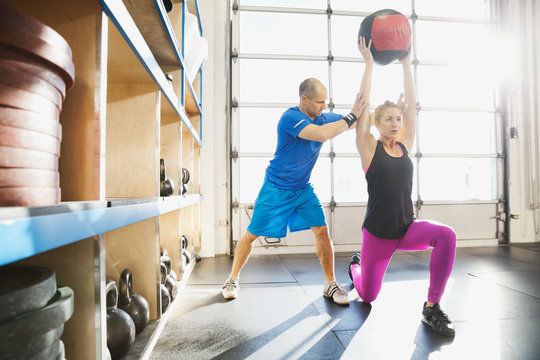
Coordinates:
[336,292]
[230,288]
[355,259]
[438,320]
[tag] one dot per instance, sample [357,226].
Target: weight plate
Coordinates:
[28,139]
[28,178]
[29,120]
[24,288]
[35,66]
[11,157]
[29,196]
[11,75]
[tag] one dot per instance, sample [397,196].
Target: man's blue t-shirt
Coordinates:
[290,169]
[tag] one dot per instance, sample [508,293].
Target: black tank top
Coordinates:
[389,179]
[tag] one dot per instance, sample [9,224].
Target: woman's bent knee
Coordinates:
[448,235]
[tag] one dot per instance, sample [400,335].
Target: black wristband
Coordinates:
[350,119]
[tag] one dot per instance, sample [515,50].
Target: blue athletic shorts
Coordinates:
[276,208]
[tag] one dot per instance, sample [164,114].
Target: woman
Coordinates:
[389,224]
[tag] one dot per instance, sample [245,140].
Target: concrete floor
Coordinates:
[493,298]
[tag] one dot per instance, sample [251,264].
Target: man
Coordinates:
[287,197]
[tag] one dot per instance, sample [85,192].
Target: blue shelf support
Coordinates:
[27,236]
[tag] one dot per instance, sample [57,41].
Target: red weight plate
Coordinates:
[20,99]
[28,139]
[23,158]
[35,66]
[28,178]
[33,27]
[29,196]
[12,76]
[31,121]
[17,39]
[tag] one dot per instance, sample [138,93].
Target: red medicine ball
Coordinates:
[390,33]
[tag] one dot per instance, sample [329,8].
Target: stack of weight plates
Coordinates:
[36,69]
[33,313]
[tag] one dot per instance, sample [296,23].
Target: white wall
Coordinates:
[524,89]
[214,159]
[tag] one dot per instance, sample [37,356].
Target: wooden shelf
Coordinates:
[156,29]
[120,17]
[119,119]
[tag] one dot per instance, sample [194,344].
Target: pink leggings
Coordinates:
[421,235]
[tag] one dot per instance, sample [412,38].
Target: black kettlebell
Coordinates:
[167,261]
[187,256]
[170,283]
[120,326]
[134,304]
[166,184]
[185,179]
[184,242]
[168,4]
[165,295]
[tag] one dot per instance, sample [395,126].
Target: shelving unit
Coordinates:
[121,117]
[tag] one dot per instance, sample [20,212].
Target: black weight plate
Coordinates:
[24,327]
[40,346]
[24,288]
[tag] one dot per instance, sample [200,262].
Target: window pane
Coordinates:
[458,179]
[258,129]
[345,35]
[277,80]
[465,9]
[252,171]
[349,180]
[301,4]
[453,86]
[345,142]
[320,179]
[387,82]
[434,41]
[278,33]
[457,132]
[403,6]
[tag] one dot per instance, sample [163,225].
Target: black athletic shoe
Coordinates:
[438,320]
[355,259]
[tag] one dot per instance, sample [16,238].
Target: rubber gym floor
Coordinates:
[492,297]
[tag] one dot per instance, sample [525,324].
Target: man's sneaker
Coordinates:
[355,259]
[335,291]
[438,320]
[230,288]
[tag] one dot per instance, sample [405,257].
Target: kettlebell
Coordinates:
[184,242]
[167,261]
[168,5]
[120,326]
[185,180]
[186,256]
[134,304]
[165,295]
[166,184]
[170,283]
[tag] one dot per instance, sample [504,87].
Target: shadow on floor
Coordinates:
[319,341]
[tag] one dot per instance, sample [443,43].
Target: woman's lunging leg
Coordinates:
[424,235]
[374,258]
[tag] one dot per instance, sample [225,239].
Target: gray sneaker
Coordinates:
[230,288]
[335,291]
